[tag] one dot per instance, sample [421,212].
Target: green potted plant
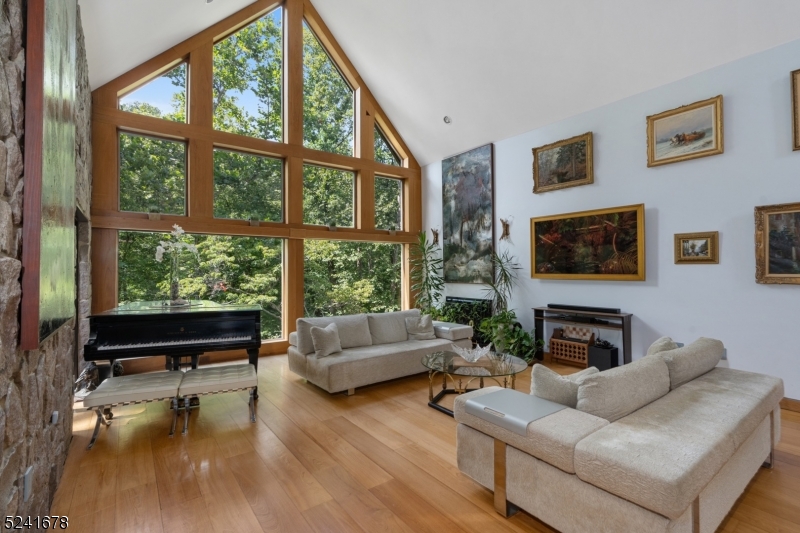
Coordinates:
[426,278]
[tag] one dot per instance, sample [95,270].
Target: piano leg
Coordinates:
[186,410]
[252,356]
[100,420]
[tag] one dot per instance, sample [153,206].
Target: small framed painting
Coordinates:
[778,244]
[684,133]
[563,164]
[796,110]
[697,248]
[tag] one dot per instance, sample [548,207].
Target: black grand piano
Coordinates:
[144,329]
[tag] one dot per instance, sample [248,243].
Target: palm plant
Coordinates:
[505,277]
[426,278]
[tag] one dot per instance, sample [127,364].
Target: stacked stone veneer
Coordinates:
[34,383]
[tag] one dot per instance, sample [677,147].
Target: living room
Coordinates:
[356,197]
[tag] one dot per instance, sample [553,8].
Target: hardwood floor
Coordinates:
[381,460]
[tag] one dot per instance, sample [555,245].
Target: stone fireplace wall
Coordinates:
[34,383]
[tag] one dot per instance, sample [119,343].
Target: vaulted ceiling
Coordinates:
[496,67]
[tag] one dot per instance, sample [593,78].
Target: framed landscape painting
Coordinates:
[796,110]
[697,248]
[468,216]
[687,132]
[603,244]
[778,243]
[563,164]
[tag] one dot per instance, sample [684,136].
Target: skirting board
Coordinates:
[790,405]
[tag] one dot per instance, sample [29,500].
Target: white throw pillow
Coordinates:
[552,386]
[420,328]
[326,340]
[662,345]
[692,361]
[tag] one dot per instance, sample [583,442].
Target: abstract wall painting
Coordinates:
[603,244]
[697,248]
[684,133]
[796,110]
[563,164]
[468,216]
[778,243]
[48,254]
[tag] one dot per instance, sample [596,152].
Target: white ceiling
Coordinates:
[497,67]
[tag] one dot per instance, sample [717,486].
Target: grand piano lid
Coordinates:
[159,307]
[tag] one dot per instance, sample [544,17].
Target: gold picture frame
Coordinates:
[549,177]
[600,244]
[700,248]
[684,133]
[778,244]
[795,109]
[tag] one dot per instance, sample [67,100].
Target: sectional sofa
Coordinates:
[375,347]
[665,444]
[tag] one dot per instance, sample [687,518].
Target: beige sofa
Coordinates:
[375,347]
[677,462]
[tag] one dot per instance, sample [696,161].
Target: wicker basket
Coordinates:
[574,349]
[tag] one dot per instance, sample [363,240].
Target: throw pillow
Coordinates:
[326,340]
[620,391]
[661,345]
[420,328]
[552,386]
[692,361]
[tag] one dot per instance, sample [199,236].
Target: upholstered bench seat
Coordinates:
[137,388]
[217,379]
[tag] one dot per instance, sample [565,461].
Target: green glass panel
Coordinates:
[242,270]
[248,80]
[384,153]
[163,97]
[328,111]
[247,186]
[152,175]
[343,277]
[328,196]
[388,202]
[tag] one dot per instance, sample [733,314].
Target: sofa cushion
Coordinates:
[356,367]
[661,456]
[661,345]
[552,438]
[420,328]
[353,331]
[452,331]
[551,386]
[326,340]
[620,391]
[293,339]
[386,328]
[692,361]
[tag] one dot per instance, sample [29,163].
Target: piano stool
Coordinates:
[215,380]
[137,388]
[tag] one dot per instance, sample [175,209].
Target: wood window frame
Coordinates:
[201,138]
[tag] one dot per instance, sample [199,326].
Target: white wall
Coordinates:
[759,324]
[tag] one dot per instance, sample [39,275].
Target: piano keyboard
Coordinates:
[217,340]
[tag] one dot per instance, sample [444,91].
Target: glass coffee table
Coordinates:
[500,368]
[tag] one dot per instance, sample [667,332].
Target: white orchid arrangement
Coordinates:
[174,247]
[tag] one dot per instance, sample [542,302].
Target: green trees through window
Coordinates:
[245,270]
[388,203]
[343,278]
[248,75]
[152,174]
[163,97]
[384,153]
[328,196]
[328,111]
[247,186]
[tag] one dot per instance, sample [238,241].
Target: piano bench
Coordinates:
[215,380]
[137,388]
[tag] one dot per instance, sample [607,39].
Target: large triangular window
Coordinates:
[162,97]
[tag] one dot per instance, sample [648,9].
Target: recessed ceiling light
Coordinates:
[447,120]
